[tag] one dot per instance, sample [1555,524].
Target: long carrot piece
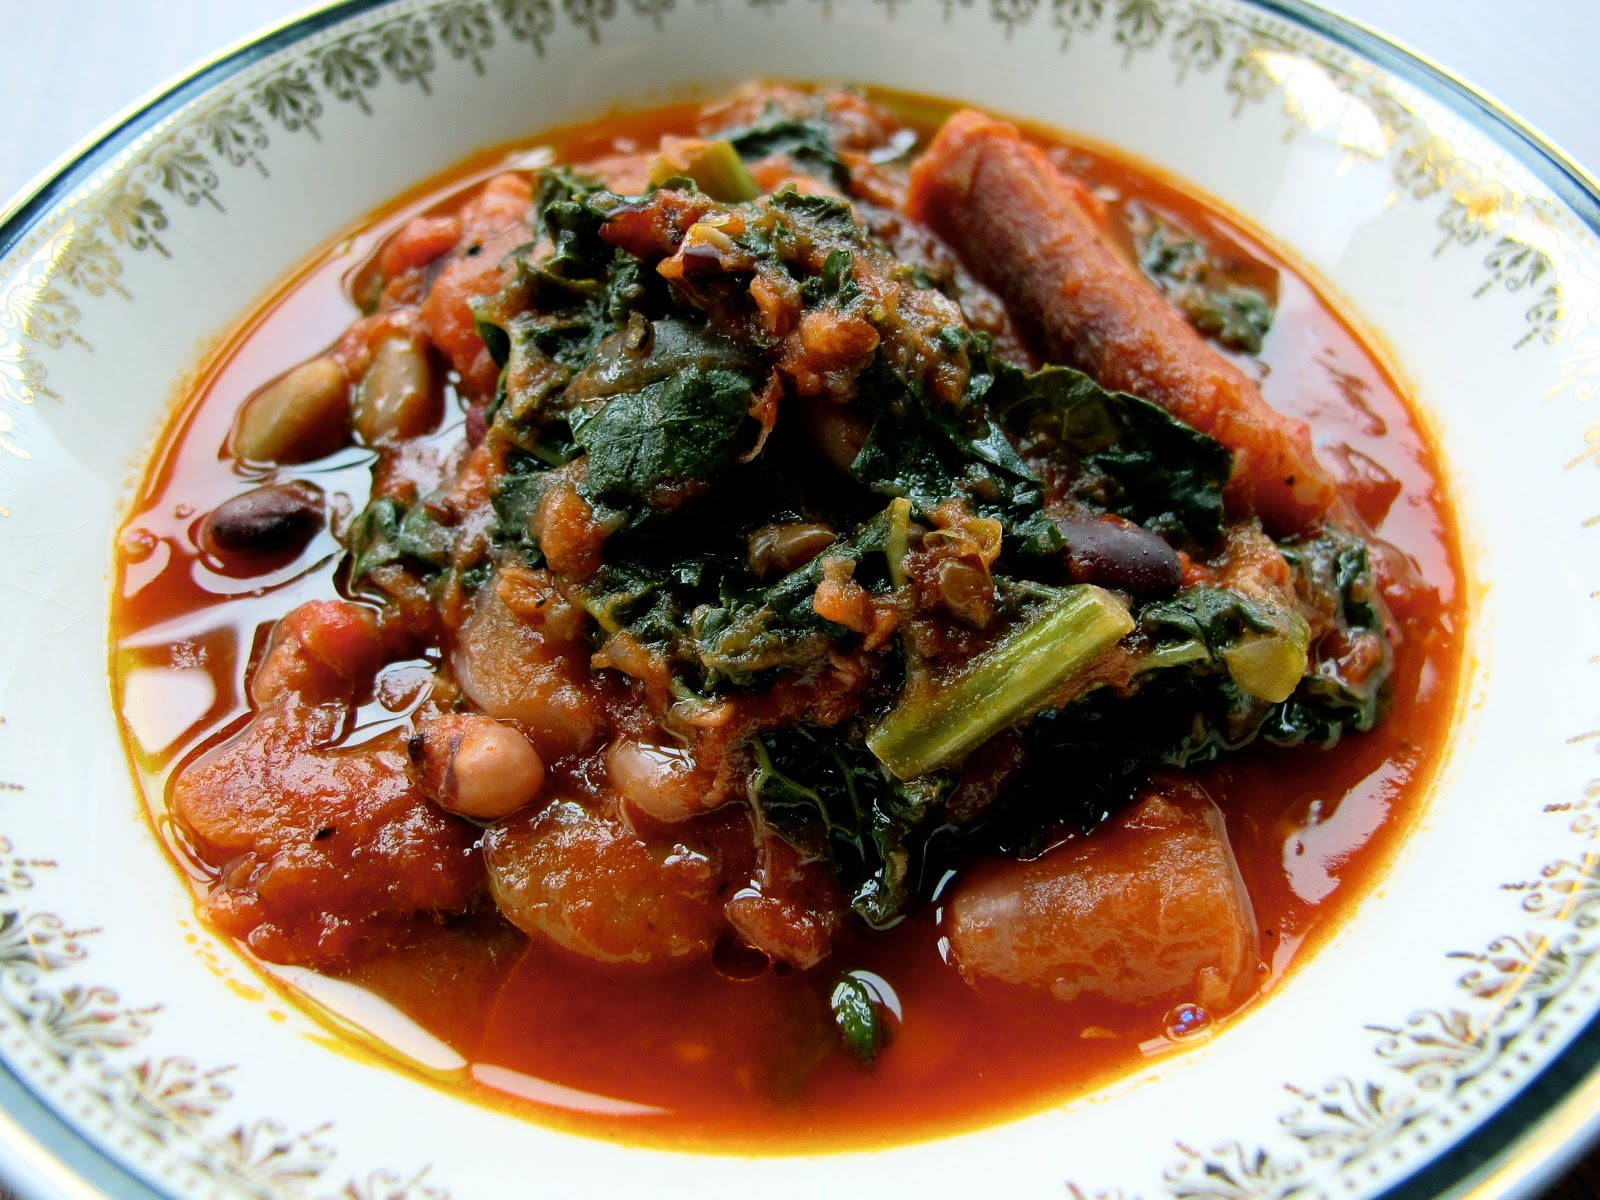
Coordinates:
[1020,226]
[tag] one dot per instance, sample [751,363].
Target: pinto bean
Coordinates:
[301,415]
[1121,555]
[475,766]
[662,782]
[276,519]
[396,399]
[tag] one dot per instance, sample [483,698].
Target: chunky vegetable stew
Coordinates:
[799,622]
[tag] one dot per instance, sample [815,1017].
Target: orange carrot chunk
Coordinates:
[1021,226]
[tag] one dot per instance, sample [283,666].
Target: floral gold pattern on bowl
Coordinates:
[98,999]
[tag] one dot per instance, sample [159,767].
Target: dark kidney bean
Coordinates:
[277,519]
[1121,555]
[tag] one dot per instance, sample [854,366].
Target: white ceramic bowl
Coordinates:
[1446,1037]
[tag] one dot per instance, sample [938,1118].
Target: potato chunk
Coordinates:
[515,671]
[584,882]
[1150,907]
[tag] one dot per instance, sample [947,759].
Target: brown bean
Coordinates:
[301,415]
[838,431]
[779,549]
[396,398]
[277,519]
[1121,555]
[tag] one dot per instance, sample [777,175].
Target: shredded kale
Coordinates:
[1126,455]
[1177,263]
[387,532]
[831,797]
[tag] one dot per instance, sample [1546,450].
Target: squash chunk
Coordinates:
[1150,907]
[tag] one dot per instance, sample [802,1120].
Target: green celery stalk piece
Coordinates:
[897,542]
[1269,665]
[717,170]
[1009,683]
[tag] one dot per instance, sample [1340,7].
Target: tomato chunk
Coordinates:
[319,851]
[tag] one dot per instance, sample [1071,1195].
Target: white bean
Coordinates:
[662,782]
[477,767]
[301,415]
[396,399]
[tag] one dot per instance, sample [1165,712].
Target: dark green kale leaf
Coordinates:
[1333,573]
[642,352]
[515,495]
[829,796]
[386,532]
[753,630]
[570,210]
[1178,264]
[653,601]
[858,1015]
[1211,618]
[1128,455]
[807,143]
[930,453]
[675,433]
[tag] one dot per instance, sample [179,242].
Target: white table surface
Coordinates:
[68,65]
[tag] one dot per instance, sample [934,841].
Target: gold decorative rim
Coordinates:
[1529,1154]
[1552,149]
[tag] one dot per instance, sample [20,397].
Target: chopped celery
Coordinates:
[715,167]
[1269,665]
[1010,682]
[897,541]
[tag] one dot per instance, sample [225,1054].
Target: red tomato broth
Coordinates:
[695,1059]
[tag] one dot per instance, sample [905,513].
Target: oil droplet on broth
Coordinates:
[1186,1020]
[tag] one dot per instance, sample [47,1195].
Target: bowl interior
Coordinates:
[1463,973]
